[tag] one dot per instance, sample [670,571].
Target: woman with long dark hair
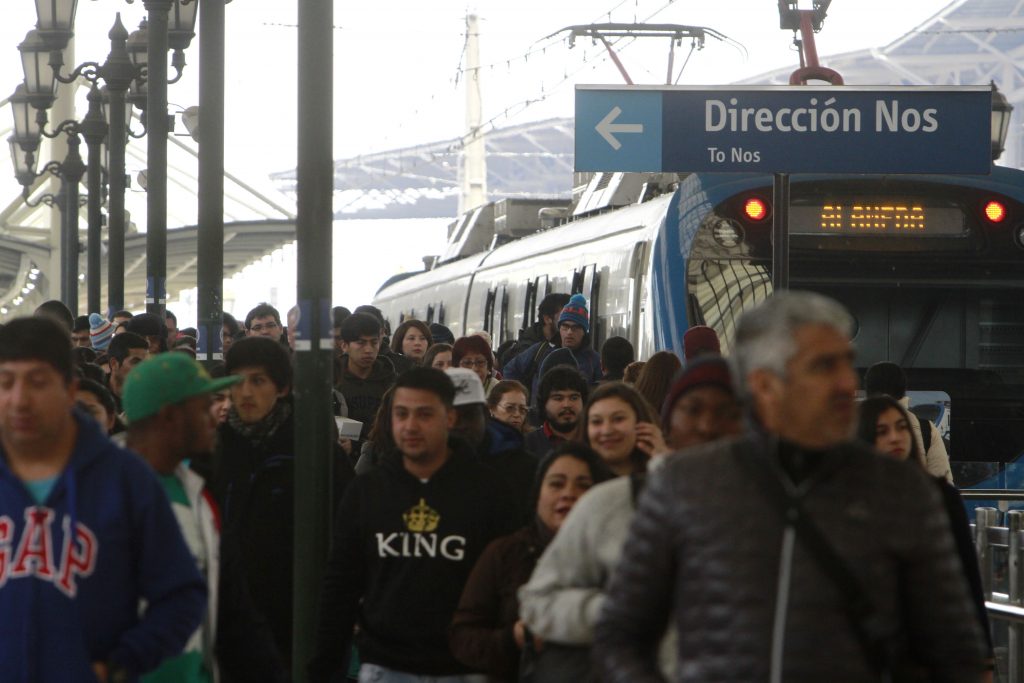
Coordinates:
[656,377]
[561,601]
[486,632]
[885,424]
[411,339]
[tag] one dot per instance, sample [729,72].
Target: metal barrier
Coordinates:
[1002,565]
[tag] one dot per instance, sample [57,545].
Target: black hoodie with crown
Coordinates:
[403,549]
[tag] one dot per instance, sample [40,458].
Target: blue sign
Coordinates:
[784,129]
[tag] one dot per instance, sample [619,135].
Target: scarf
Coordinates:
[259,432]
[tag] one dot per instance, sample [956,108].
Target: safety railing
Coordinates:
[999,540]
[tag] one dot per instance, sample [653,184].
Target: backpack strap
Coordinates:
[859,607]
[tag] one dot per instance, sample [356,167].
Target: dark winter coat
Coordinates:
[542,441]
[527,338]
[526,367]
[402,552]
[481,633]
[708,551]
[255,489]
[504,452]
[363,396]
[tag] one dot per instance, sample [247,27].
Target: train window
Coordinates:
[592,289]
[492,295]
[503,325]
[530,304]
[430,313]
[577,282]
[440,313]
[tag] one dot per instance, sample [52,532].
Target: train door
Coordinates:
[638,296]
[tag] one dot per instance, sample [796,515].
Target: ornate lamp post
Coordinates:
[162,24]
[94,129]
[70,172]
[119,73]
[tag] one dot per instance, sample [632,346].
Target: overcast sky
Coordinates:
[397,64]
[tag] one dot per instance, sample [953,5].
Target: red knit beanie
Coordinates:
[700,339]
[704,371]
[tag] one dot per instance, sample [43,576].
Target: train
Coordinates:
[931,267]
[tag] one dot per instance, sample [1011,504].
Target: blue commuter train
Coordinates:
[932,268]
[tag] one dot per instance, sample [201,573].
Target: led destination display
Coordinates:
[876,216]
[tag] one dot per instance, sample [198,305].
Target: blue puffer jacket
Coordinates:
[67,604]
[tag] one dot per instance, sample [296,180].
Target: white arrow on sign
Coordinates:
[607,127]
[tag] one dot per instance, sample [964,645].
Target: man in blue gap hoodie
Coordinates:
[70,600]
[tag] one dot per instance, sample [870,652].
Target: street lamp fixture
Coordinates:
[1001,112]
[56,21]
[27,132]
[181,29]
[40,84]
[138,52]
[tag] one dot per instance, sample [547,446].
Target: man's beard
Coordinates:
[562,423]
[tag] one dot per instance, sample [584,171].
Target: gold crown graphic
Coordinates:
[421,518]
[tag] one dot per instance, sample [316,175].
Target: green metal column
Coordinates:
[314,345]
[71,171]
[94,130]
[156,158]
[210,264]
[117,73]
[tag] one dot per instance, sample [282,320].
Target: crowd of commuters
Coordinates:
[545,511]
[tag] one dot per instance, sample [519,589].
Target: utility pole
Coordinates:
[474,154]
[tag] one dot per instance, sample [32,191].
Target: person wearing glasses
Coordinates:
[474,353]
[504,448]
[264,321]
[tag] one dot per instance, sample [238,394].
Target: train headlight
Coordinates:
[994,211]
[1020,236]
[727,233]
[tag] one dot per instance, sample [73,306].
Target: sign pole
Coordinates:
[780,231]
[314,347]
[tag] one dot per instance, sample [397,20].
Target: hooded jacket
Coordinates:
[403,549]
[363,396]
[66,604]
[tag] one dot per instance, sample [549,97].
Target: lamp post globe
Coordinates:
[56,22]
[1001,113]
[181,24]
[40,81]
[26,128]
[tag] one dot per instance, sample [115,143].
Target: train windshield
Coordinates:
[933,273]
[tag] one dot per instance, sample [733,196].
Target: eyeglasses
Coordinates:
[259,327]
[466,363]
[514,409]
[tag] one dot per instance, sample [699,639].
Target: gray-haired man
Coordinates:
[791,553]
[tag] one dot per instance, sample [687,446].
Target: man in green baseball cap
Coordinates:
[166,401]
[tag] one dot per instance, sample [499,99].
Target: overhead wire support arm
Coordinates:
[674,32]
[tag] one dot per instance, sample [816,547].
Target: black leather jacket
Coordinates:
[709,550]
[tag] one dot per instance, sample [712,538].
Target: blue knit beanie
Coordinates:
[100,331]
[576,312]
